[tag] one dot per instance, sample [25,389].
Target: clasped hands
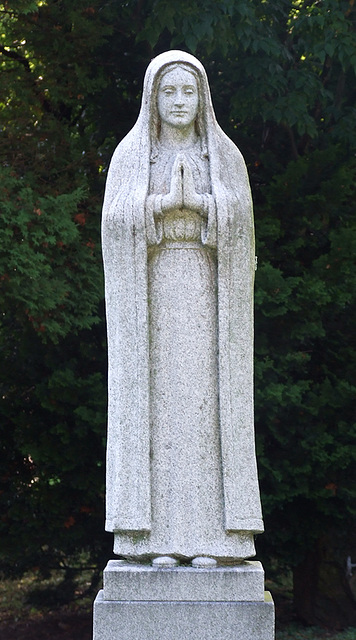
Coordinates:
[182,193]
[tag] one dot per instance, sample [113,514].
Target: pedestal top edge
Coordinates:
[248,566]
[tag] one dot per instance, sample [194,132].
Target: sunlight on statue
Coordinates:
[178,246]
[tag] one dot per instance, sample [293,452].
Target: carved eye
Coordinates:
[189,91]
[167,91]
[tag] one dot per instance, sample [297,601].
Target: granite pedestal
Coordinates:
[141,602]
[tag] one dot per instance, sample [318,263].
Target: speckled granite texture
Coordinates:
[178,246]
[182,490]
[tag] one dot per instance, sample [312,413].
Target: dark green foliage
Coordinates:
[305,350]
[282,75]
[49,273]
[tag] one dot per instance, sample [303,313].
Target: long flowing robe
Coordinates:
[129,230]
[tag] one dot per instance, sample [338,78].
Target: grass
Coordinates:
[287,627]
[296,632]
[32,597]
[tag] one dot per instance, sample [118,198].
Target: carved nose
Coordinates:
[179,101]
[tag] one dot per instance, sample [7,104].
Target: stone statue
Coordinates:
[178,246]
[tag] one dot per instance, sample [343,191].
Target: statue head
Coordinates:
[148,126]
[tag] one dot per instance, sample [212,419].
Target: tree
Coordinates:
[51,330]
[283,82]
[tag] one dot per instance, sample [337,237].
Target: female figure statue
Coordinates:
[178,250]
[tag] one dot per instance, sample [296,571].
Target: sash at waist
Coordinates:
[189,244]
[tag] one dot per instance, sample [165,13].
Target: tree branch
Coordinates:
[14,55]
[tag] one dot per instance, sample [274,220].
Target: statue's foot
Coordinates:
[164,561]
[202,562]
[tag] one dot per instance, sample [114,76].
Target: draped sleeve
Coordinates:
[236,267]
[125,265]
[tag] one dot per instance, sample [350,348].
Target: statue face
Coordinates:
[178,98]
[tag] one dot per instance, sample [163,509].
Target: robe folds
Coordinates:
[128,232]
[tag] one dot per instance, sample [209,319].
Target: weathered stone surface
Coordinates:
[137,582]
[183,620]
[164,562]
[178,246]
[204,562]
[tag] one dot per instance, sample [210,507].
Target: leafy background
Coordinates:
[282,75]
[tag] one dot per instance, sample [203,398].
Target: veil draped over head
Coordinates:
[127,232]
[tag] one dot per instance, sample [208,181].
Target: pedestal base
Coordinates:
[140,602]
